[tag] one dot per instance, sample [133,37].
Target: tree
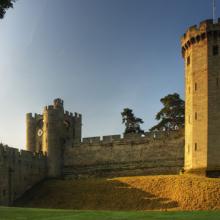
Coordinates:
[4,5]
[132,124]
[172,115]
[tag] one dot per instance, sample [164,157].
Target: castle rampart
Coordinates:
[19,170]
[155,153]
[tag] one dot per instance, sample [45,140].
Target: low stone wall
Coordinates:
[162,153]
[19,171]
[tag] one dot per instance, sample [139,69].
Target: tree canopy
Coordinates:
[132,123]
[4,5]
[172,115]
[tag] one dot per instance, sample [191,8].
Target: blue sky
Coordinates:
[99,56]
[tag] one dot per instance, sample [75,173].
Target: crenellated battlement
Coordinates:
[71,115]
[77,115]
[9,152]
[29,116]
[196,33]
[49,108]
[58,103]
[35,116]
[147,137]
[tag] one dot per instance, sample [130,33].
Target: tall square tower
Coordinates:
[201,53]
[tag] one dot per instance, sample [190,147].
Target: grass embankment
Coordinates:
[127,193]
[49,214]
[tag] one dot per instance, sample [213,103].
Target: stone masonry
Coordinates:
[200,50]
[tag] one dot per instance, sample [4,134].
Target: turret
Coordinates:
[53,117]
[30,133]
[77,128]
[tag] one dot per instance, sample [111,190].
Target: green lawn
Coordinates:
[49,214]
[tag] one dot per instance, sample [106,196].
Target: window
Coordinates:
[189,89]
[195,86]
[215,50]
[195,115]
[188,60]
[196,147]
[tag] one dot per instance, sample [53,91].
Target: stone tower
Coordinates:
[51,133]
[53,117]
[201,53]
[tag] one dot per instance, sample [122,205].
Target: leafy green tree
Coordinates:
[172,115]
[132,124]
[4,5]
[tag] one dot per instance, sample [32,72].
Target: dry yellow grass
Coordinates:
[127,193]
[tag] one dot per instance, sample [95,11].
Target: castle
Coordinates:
[55,148]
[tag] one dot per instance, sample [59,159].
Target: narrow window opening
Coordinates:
[215,50]
[195,86]
[188,60]
[196,147]
[195,115]
[189,89]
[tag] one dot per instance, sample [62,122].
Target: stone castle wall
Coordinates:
[19,171]
[116,156]
[110,156]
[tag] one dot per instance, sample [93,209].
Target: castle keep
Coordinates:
[200,50]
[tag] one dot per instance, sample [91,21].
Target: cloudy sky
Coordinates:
[99,56]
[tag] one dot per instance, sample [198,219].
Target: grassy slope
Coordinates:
[44,214]
[127,193]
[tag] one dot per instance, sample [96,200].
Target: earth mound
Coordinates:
[126,193]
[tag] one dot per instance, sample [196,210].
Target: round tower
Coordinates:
[53,117]
[30,133]
[201,53]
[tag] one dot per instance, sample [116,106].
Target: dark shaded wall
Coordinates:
[19,171]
